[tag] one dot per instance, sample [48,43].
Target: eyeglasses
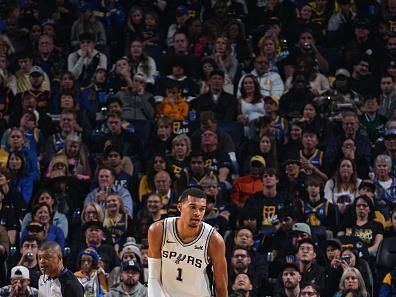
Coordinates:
[362,205]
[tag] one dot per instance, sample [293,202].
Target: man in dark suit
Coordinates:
[223,104]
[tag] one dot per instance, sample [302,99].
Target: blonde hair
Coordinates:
[181,138]
[228,52]
[107,219]
[6,40]
[209,179]
[98,209]
[362,286]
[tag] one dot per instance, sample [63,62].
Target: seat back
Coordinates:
[386,255]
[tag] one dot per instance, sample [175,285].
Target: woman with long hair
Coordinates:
[21,181]
[239,45]
[352,279]
[342,189]
[268,47]
[117,221]
[251,103]
[267,149]
[134,25]
[224,57]
[141,62]
[77,157]
[179,157]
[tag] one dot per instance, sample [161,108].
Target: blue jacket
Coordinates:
[387,290]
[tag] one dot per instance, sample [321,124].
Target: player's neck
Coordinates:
[186,232]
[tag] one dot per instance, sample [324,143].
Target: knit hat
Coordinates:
[90,252]
[131,247]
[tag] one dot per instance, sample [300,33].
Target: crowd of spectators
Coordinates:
[282,111]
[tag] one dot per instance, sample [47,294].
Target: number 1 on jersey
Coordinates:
[179,274]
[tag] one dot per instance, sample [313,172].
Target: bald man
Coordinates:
[56,280]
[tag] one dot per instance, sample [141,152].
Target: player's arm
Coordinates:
[154,259]
[217,254]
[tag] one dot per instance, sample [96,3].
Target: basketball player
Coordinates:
[184,253]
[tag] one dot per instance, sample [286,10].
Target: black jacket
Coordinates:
[225,109]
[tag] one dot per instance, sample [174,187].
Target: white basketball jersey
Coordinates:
[185,266]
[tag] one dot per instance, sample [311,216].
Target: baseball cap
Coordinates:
[93,224]
[343,72]
[301,227]
[389,133]
[290,266]
[35,227]
[257,158]
[36,69]
[20,272]
[334,242]
[131,264]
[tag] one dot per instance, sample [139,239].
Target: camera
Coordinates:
[346,258]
